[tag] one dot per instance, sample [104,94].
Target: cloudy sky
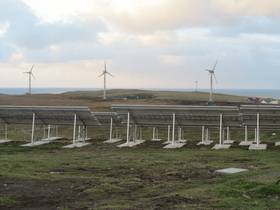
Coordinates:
[146,43]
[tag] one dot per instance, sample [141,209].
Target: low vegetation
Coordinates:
[146,177]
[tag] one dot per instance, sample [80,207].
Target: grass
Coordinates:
[147,177]
[7,201]
[93,99]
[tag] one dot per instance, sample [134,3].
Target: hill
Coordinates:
[93,99]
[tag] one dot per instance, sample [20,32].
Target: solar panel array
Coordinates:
[145,115]
[47,115]
[269,115]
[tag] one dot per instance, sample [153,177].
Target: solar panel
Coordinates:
[47,115]
[269,115]
[162,115]
[104,118]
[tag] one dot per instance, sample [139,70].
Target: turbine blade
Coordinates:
[215,78]
[33,75]
[32,68]
[110,74]
[101,74]
[215,65]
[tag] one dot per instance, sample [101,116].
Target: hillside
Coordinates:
[93,99]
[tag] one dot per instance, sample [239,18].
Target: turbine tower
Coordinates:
[30,76]
[196,86]
[212,77]
[104,74]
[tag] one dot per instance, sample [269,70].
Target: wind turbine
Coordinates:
[30,75]
[104,74]
[196,86]
[212,76]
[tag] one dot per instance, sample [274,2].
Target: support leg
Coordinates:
[6,131]
[255,141]
[154,133]
[168,134]
[173,129]
[258,145]
[221,129]
[111,129]
[49,131]
[33,128]
[221,144]
[128,126]
[74,129]
[84,134]
[203,134]
[56,131]
[258,129]
[180,134]
[246,133]
[79,132]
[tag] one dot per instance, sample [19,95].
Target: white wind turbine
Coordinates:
[30,76]
[104,74]
[212,76]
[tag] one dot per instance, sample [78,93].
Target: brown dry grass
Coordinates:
[93,99]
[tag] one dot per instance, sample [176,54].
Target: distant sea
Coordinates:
[265,93]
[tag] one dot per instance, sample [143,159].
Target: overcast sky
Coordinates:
[146,43]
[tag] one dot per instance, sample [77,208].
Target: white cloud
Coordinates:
[148,43]
[16,57]
[4,27]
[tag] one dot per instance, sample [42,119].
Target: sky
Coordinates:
[146,43]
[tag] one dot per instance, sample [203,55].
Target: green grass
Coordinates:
[158,95]
[7,201]
[147,177]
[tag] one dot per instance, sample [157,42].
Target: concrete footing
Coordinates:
[221,146]
[41,142]
[205,143]
[246,143]
[258,147]
[231,170]
[112,141]
[36,143]
[228,141]
[156,140]
[52,139]
[182,141]
[174,145]
[76,145]
[5,141]
[81,139]
[131,143]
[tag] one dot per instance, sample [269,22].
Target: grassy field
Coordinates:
[146,177]
[93,99]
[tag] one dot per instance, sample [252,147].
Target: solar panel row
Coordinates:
[147,115]
[144,115]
